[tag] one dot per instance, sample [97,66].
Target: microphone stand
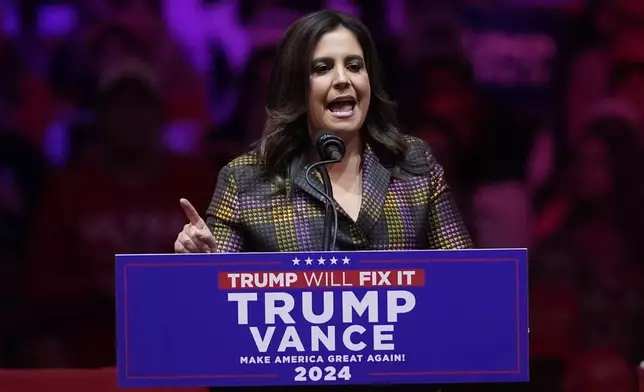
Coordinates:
[331,212]
[328,213]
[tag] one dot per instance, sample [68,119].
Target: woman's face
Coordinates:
[340,91]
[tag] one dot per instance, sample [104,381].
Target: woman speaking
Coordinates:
[389,191]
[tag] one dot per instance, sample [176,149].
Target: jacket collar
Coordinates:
[375,184]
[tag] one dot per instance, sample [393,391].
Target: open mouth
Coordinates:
[342,107]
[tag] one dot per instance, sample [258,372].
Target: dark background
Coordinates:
[535,108]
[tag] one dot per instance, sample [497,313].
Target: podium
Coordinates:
[322,318]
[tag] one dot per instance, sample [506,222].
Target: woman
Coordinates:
[389,190]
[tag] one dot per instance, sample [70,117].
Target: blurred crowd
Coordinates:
[111,110]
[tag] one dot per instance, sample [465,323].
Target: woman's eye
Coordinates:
[322,68]
[354,67]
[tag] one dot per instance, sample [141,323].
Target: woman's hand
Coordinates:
[195,236]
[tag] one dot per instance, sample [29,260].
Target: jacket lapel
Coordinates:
[375,184]
[315,190]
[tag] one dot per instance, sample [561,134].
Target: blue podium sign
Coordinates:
[327,318]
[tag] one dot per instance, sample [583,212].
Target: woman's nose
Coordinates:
[341,80]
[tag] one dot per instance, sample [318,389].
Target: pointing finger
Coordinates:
[192,214]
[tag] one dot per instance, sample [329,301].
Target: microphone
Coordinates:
[331,149]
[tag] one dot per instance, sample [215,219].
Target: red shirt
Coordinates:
[88,216]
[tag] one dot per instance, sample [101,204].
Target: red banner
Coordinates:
[320,278]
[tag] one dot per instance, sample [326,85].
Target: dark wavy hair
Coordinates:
[286,144]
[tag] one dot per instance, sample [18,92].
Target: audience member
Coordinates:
[27,104]
[122,200]
[22,177]
[600,371]
[608,23]
[628,74]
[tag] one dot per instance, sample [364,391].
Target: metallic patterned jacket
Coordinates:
[418,212]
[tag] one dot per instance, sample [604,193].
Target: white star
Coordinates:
[308,261]
[333,260]
[296,261]
[346,260]
[321,261]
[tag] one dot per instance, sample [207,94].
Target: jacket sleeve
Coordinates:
[223,216]
[446,229]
